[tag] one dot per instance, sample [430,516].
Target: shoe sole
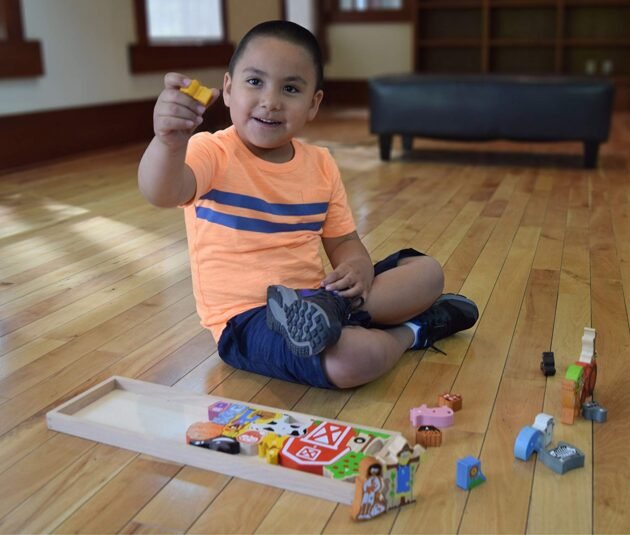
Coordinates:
[304,325]
[469,308]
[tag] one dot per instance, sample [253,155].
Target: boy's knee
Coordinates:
[430,272]
[436,274]
[344,367]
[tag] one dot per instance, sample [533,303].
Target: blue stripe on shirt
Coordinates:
[254,203]
[251,224]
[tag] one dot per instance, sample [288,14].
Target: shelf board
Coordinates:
[599,3]
[523,3]
[596,42]
[537,43]
[449,43]
[450,4]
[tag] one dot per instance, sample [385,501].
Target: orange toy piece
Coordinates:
[452,401]
[200,432]
[428,436]
[198,92]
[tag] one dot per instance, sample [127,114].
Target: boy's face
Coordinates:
[271,96]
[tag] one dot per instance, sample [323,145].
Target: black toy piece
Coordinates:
[548,364]
[225,445]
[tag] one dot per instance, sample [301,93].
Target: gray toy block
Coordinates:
[562,458]
[591,410]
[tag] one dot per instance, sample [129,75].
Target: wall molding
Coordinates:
[37,137]
[352,93]
[33,138]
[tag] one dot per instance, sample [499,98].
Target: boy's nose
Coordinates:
[270,100]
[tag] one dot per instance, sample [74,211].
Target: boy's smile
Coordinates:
[271,96]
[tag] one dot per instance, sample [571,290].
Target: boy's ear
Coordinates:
[315,102]
[227,88]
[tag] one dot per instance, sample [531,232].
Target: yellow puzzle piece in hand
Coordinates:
[198,92]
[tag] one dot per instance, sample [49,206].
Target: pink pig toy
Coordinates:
[437,416]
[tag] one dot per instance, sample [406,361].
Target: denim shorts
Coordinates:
[248,344]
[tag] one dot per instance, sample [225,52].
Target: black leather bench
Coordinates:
[491,107]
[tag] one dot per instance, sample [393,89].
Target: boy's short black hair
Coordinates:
[287,31]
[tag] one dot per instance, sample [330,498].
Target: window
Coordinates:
[369,10]
[172,21]
[180,34]
[18,58]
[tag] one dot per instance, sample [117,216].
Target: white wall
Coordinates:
[85,49]
[84,45]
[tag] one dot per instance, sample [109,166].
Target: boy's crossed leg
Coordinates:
[407,286]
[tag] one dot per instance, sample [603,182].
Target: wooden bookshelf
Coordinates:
[578,37]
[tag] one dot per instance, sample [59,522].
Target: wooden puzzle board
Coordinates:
[153,419]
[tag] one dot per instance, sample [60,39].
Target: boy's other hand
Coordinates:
[350,280]
[176,115]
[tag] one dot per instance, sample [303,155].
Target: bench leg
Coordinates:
[407,143]
[591,151]
[385,145]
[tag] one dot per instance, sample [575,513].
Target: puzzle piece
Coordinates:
[437,416]
[370,491]
[249,441]
[528,441]
[428,436]
[469,473]
[591,410]
[548,364]
[199,433]
[545,424]
[562,458]
[452,401]
[198,92]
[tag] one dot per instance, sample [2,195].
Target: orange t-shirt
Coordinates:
[255,223]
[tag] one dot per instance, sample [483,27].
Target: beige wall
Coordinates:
[242,15]
[358,51]
[85,49]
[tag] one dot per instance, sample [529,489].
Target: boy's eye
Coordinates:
[291,89]
[254,81]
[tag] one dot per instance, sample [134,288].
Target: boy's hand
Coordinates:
[350,279]
[176,115]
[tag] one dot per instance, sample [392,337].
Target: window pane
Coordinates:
[184,20]
[369,5]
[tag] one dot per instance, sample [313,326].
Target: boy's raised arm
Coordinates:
[163,176]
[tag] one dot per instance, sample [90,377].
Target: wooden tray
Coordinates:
[153,419]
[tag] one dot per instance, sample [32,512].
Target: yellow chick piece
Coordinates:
[198,92]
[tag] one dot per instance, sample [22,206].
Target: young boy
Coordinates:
[258,203]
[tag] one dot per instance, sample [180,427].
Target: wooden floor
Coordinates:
[95,282]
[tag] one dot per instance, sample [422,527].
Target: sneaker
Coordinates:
[309,320]
[449,314]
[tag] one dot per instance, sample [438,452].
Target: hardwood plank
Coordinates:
[611,443]
[60,497]
[550,492]
[520,397]
[540,244]
[89,332]
[33,471]
[113,506]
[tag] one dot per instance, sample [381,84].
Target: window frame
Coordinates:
[146,57]
[19,58]
[334,14]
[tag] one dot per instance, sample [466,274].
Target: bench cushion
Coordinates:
[488,107]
